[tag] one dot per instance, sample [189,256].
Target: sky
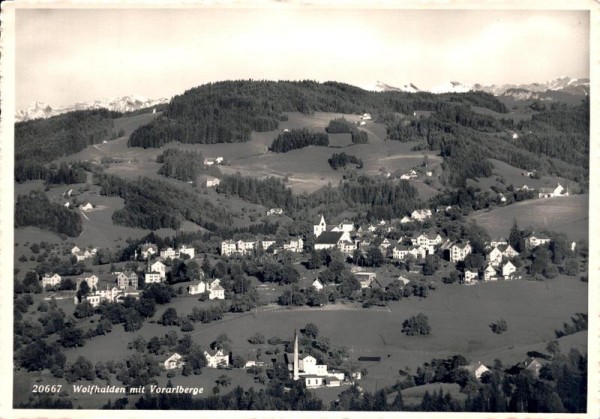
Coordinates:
[67,56]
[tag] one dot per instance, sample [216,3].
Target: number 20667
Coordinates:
[40,388]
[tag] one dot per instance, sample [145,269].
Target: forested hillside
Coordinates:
[40,141]
[154,204]
[228,111]
[35,209]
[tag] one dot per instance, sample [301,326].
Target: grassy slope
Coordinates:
[459,317]
[567,215]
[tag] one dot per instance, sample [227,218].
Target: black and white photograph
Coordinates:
[289,206]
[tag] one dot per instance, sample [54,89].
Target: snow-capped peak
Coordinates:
[452,87]
[380,86]
[119,104]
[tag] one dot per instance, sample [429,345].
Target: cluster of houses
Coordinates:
[275,211]
[213,288]
[242,247]
[553,192]
[209,161]
[84,254]
[214,359]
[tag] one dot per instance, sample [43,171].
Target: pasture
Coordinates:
[458,315]
[515,114]
[568,215]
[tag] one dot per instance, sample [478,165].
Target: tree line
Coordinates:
[35,209]
[298,138]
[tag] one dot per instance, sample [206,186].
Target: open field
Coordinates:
[306,169]
[511,175]
[459,317]
[567,215]
[414,395]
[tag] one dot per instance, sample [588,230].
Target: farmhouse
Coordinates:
[212,182]
[216,359]
[209,161]
[530,364]
[477,369]
[400,252]
[406,219]
[51,280]
[173,362]
[553,192]
[216,292]
[366,117]
[86,207]
[82,255]
[535,240]
[275,211]
[459,251]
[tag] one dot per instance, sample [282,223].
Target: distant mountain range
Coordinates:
[533,91]
[121,104]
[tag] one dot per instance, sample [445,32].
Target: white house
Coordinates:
[228,248]
[265,244]
[275,211]
[489,273]
[508,270]
[296,245]
[366,117]
[159,268]
[347,247]
[552,192]
[173,362]
[184,250]
[459,251]
[477,369]
[317,284]
[536,240]
[507,251]
[86,207]
[420,215]
[470,276]
[212,182]
[51,280]
[216,358]
[147,250]
[216,292]
[153,278]
[406,219]
[168,253]
[91,280]
[127,279]
[197,288]
[494,257]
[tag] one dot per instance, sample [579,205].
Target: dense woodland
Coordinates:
[40,141]
[35,209]
[341,160]
[180,164]
[154,204]
[228,111]
[298,138]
